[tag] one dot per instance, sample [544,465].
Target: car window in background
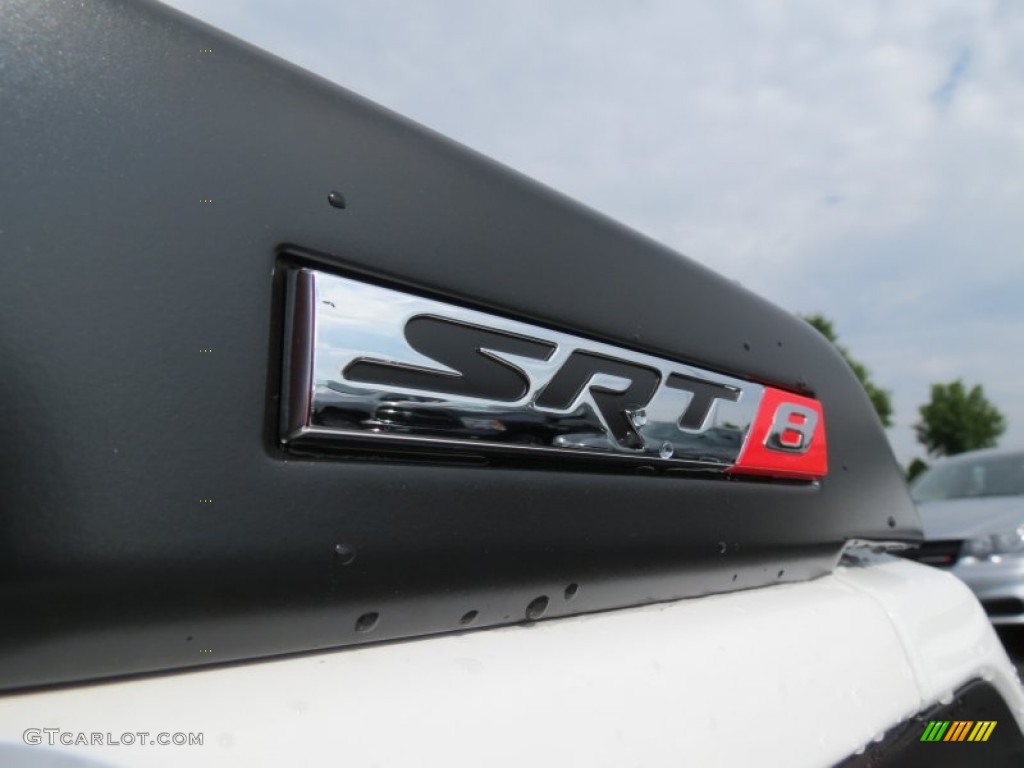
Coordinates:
[1001,475]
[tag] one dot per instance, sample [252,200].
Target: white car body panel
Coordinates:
[793,675]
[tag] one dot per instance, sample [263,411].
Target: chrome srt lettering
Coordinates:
[377,366]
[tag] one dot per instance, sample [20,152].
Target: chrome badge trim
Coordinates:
[368,367]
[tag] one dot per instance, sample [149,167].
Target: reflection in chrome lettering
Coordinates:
[369,366]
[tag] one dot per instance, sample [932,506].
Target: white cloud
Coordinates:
[865,160]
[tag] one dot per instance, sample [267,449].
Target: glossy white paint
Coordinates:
[946,634]
[793,675]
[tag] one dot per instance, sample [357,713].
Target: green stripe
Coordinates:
[935,730]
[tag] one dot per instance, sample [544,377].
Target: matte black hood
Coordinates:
[159,177]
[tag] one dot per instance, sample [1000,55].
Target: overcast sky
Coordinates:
[862,159]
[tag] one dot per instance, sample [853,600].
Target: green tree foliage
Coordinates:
[956,420]
[879,397]
[915,468]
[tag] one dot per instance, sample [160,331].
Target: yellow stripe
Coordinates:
[988,731]
[976,731]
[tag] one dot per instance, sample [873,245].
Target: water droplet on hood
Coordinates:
[537,608]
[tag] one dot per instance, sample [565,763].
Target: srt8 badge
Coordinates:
[371,368]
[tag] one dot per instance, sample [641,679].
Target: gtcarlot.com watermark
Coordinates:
[55,736]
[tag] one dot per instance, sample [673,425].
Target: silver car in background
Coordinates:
[972,511]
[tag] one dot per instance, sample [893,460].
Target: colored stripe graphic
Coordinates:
[935,730]
[982,730]
[958,730]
